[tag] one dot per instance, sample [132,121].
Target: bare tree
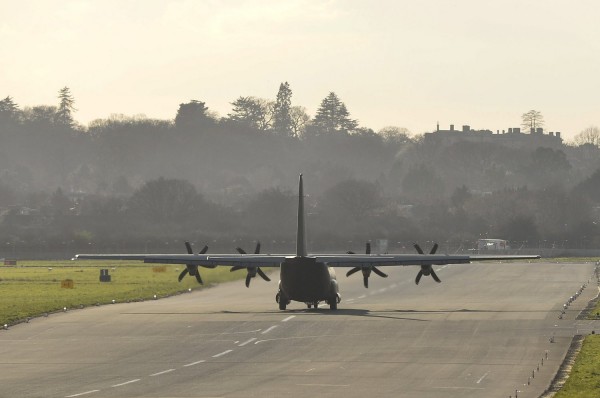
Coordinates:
[299,119]
[532,120]
[400,135]
[590,135]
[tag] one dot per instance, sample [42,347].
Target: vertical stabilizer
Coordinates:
[301,233]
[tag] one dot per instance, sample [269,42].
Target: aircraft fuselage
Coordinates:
[303,279]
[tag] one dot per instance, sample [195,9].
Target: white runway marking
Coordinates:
[81,393]
[483,377]
[193,363]
[288,318]
[363,296]
[269,329]
[349,300]
[127,382]
[221,354]
[324,385]
[162,373]
[247,341]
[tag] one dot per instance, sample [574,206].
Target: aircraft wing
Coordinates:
[245,260]
[394,260]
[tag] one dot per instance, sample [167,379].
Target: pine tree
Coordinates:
[64,115]
[8,109]
[282,120]
[333,116]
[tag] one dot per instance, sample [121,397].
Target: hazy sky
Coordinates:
[403,63]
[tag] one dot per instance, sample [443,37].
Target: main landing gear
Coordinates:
[282,300]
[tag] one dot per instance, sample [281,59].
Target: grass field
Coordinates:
[34,287]
[584,379]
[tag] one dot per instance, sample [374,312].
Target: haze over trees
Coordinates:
[131,183]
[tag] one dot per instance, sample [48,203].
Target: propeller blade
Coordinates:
[183,274]
[198,278]
[433,249]
[378,272]
[204,249]
[435,277]
[236,268]
[366,281]
[418,248]
[188,246]
[353,270]
[240,250]
[248,277]
[419,275]
[257,249]
[368,248]
[262,274]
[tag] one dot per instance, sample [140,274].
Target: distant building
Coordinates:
[511,138]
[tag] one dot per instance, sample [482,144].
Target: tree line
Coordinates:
[142,182]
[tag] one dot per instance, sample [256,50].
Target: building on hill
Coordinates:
[511,138]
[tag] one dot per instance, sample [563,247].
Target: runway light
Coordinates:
[113,301]
[190,290]
[155,297]
[5,326]
[65,309]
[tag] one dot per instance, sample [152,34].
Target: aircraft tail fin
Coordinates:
[301,232]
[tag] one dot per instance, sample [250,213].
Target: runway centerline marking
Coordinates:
[222,353]
[127,382]
[247,341]
[363,296]
[194,363]
[162,373]
[268,330]
[324,385]
[288,318]
[483,377]
[81,393]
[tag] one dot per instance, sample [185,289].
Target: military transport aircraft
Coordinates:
[306,278]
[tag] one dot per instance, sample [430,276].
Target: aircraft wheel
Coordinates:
[282,305]
[316,304]
[309,305]
[333,306]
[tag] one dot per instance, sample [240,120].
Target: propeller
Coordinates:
[426,269]
[252,271]
[192,269]
[366,269]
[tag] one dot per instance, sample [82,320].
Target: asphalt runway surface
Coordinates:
[482,332]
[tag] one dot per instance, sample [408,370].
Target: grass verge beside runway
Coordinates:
[34,287]
[584,378]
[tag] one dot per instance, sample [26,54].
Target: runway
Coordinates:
[482,332]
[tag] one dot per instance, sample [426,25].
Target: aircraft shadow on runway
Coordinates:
[357,312]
